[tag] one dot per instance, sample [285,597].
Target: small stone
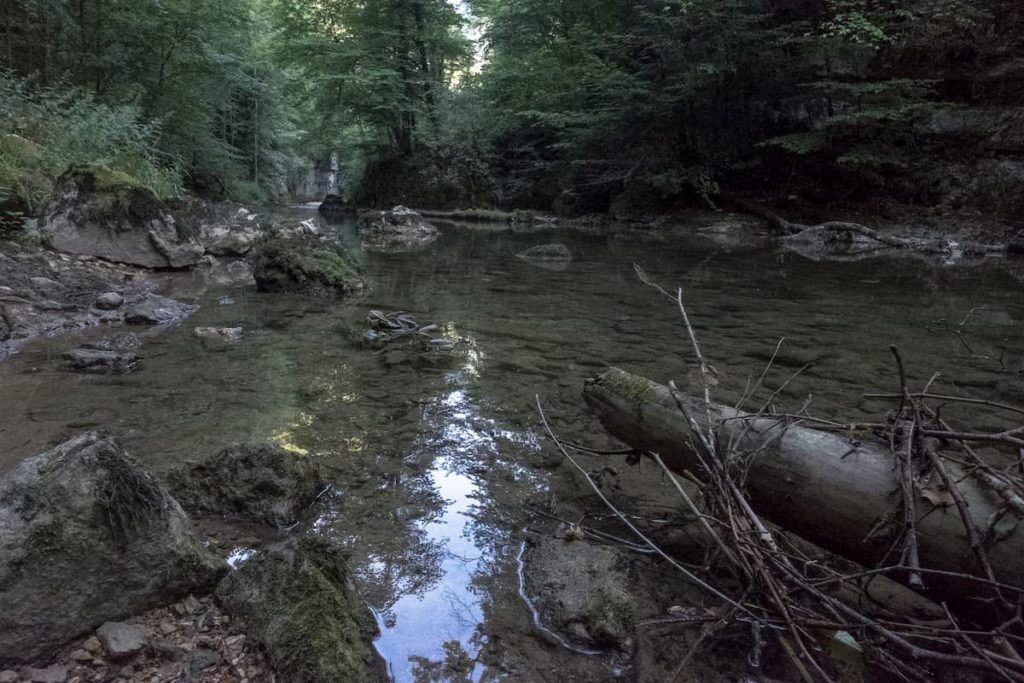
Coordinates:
[234,644]
[127,671]
[51,674]
[191,604]
[8,676]
[108,301]
[164,649]
[121,640]
[167,628]
[208,642]
[81,656]
[92,644]
[201,659]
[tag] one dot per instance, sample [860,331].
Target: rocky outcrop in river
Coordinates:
[306,265]
[88,536]
[107,215]
[397,230]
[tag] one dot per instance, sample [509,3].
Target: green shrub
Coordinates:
[45,131]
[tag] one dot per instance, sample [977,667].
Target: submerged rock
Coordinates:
[101,361]
[550,256]
[106,214]
[583,594]
[87,536]
[158,310]
[297,600]
[218,334]
[260,482]
[306,266]
[397,230]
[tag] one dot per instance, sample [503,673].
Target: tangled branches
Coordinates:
[791,599]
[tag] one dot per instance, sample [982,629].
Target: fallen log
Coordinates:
[842,494]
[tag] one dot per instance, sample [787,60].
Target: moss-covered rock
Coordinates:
[260,482]
[88,536]
[109,215]
[305,265]
[298,602]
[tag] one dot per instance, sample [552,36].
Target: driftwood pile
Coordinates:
[909,498]
[385,329]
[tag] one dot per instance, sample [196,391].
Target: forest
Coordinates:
[622,107]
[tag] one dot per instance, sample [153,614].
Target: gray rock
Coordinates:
[101,362]
[87,536]
[121,640]
[397,230]
[230,240]
[218,334]
[108,301]
[259,482]
[297,600]
[106,215]
[158,310]
[56,673]
[8,676]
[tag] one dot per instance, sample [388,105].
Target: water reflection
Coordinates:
[441,621]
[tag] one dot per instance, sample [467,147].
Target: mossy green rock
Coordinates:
[87,536]
[296,599]
[258,482]
[305,266]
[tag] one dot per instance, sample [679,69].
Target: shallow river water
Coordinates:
[434,463]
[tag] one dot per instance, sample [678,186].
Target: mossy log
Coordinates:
[839,493]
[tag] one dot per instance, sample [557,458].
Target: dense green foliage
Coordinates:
[571,105]
[189,82]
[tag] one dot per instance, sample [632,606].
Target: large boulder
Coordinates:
[397,230]
[87,536]
[106,214]
[259,482]
[305,265]
[297,600]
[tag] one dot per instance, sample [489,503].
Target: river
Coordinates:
[436,463]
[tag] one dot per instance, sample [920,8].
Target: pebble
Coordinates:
[167,627]
[92,644]
[81,656]
[108,301]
